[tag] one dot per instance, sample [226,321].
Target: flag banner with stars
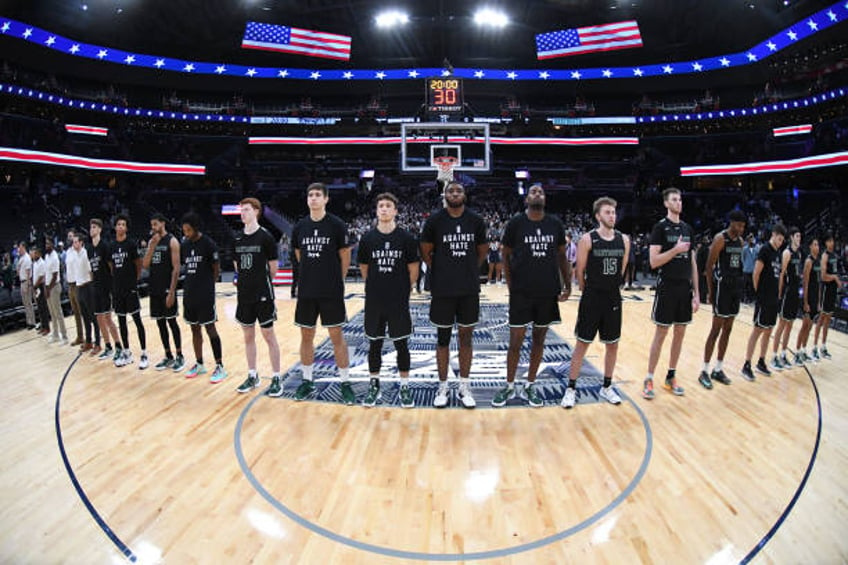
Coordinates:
[836,14]
[591,39]
[269,37]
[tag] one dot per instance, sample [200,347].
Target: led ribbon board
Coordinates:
[787,166]
[792,130]
[816,23]
[44,158]
[564,141]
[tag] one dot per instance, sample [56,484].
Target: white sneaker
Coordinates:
[64,341]
[465,394]
[569,398]
[53,339]
[127,358]
[143,362]
[441,399]
[608,394]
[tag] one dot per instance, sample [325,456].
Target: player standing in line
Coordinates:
[24,268]
[538,276]
[99,255]
[677,296]
[388,260]
[323,252]
[454,246]
[200,256]
[788,285]
[830,287]
[256,264]
[765,277]
[39,271]
[810,303]
[725,287]
[163,260]
[602,256]
[53,293]
[126,267]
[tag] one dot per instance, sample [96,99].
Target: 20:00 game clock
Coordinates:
[444,95]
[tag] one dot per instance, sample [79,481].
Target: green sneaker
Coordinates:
[406,400]
[276,388]
[179,363]
[106,354]
[218,375]
[348,397]
[504,394]
[533,398]
[305,389]
[704,379]
[165,363]
[118,354]
[250,383]
[373,394]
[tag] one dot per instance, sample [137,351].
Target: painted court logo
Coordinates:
[488,368]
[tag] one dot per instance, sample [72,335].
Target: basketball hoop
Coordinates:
[445,165]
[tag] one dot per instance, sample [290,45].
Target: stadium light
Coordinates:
[391,18]
[491,18]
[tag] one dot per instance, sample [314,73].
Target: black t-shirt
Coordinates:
[455,264]
[98,257]
[793,272]
[320,274]
[729,264]
[387,256]
[767,286]
[199,257]
[665,234]
[832,267]
[124,255]
[533,264]
[815,278]
[161,267]
[604,265]
[253,252]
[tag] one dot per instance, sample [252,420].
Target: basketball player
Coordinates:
[788,285]
[765,278]
[454,246]
[256,264]
[495,259]
[126,267]
[811,277]
[538,275]
[677,296]
[725,286]
[388,260]
[53,293]
[830,287]
[25,276]
[163,260]
[200,257]
[602,256]
[99,255]
[320,242]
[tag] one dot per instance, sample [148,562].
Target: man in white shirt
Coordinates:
[53,293]
[72,258]
[38,273]
[79,270]
[25,276]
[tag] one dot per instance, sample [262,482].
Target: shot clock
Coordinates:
[444,95]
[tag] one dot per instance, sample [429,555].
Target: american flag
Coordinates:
[271,37]
[607,37]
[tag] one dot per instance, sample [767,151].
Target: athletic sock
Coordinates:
[706,367]
[307,372]
[344,374]
[718,365]
[607,382]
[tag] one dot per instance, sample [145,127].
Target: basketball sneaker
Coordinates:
[825,353]
[143,362]
[718,375]
[196,370]
[218,375]
[704,379]
[179,363]
[504,394]
[648,389]
[250,383]
[799,359]
[441,399]
[373,395]
[305,389]
[747,373]
[348,396]
[815,355]
[127,358]
[533,397]
[165,363]
[761,367]
[406,400]
[609,394]
[465,395]
[276,388]
[107,353]
[671,384]
[118,354]
[569,398]
[776,364]
[785,362]
[120,359]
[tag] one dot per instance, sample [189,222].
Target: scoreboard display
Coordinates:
[444,95]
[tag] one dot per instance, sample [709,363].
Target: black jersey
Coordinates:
[832,268]
[199,257]
[387,256]
[767,286]
[815,278]
[792,278]
[665,234]
[98,257]
[605,262]
[533,263]
[124,256]
[455,267]
[253,252]
[161,267]
[320,274]
[729,264]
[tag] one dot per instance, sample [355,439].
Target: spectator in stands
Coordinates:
[749,257]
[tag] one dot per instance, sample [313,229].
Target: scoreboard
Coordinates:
[444,95]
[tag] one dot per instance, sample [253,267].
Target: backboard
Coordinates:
[421,143]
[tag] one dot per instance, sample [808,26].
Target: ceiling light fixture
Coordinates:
[491,18]
[391,18]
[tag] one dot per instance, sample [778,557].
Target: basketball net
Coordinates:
[445,166]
